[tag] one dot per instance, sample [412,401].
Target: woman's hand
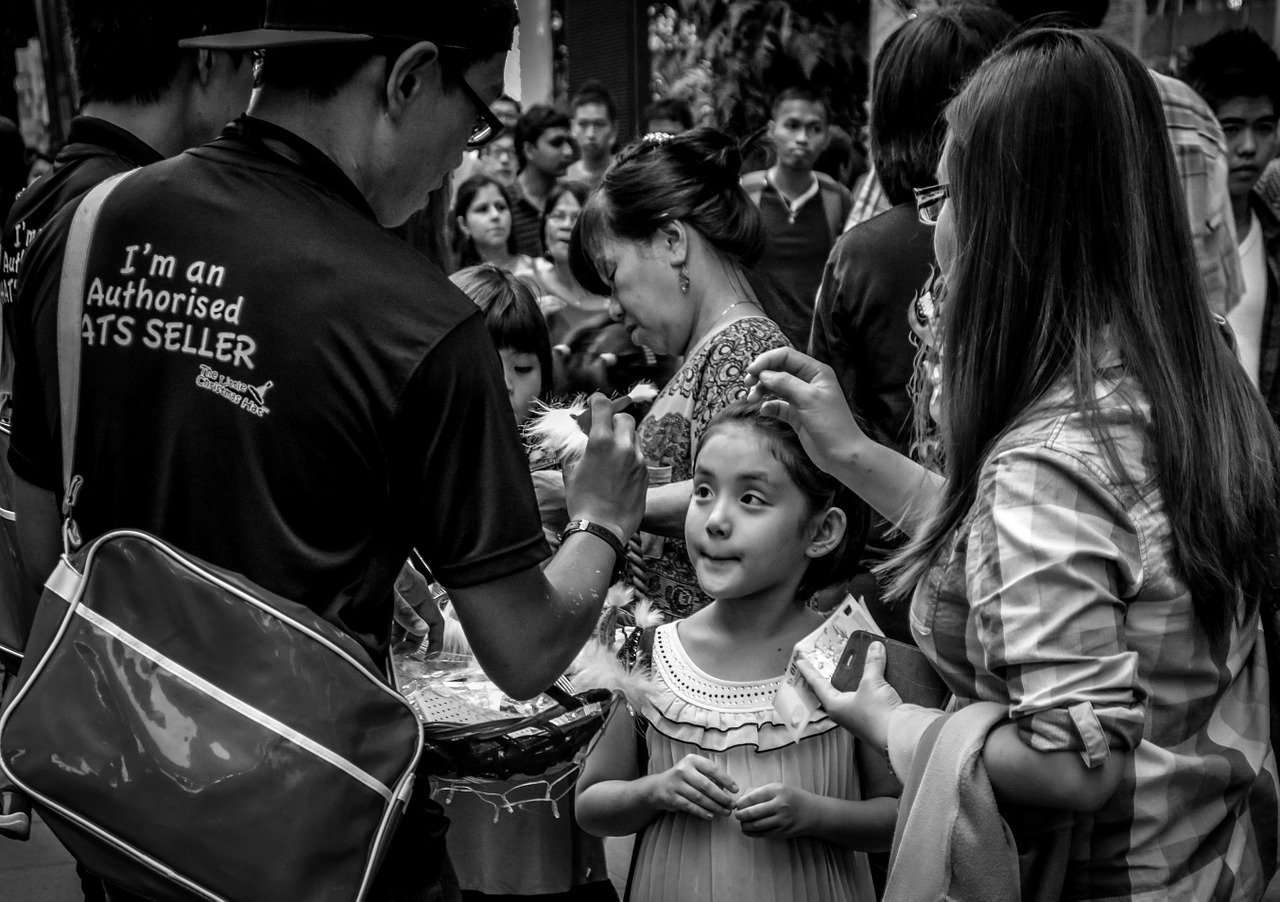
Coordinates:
[865,711]
[696,786]
[775,811]
[806,394]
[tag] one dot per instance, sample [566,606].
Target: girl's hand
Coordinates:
[696,786]
[775,811]
[806,394]
[865,711]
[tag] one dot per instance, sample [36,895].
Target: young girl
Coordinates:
[530,851]
[482,227]
[727,806]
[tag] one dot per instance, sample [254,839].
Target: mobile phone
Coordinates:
[906,669]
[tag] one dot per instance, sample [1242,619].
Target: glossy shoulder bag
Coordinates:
[187,734]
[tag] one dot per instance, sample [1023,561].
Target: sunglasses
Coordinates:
[929,202]
[488,126]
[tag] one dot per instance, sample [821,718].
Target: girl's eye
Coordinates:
[751,499]
[702,492]
[524,370]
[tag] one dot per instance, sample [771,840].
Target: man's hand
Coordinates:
[608,485]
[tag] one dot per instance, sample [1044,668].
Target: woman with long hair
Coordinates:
[1102,553]
[669,236]
[482,227]
[565,302]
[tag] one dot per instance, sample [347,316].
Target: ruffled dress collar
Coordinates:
[694,707]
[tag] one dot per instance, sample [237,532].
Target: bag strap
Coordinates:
[75,262]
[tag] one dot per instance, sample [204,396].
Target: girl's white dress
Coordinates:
[680,858]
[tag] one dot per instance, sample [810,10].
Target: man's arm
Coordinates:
[527,628]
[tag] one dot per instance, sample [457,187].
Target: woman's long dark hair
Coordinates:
[1072,241]
[464,248]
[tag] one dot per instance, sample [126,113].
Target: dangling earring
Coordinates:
[684,279]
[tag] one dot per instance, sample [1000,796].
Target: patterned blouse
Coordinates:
[709,381]
[1060,599]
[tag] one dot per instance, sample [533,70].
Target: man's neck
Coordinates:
[336,128]
[1242,214]
[160,125]
[791,182]
[598,165]
[536,185]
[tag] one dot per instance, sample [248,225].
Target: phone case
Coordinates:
[906,670]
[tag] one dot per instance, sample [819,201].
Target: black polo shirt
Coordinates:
[276,384]
[796,250]
[526,223]
[95,151]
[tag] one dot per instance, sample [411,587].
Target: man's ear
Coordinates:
[414,71]
[672,241]
[829,532]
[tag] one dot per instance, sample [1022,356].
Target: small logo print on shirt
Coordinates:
[248,397]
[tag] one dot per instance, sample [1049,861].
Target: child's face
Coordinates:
[523,374]
[750,530]
[1249,124]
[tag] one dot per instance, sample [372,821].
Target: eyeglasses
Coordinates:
[929,202]
[499,152]
[488,126]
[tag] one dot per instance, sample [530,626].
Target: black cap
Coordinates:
[294,23]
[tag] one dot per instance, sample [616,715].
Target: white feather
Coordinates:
[555,432]
[643,392]
[646,615]
[598,667]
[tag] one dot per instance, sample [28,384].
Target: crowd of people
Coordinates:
[1017,389]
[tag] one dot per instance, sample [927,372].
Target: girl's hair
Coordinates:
[511,313]
[464,248]
[918,70]
[1073,240]
[559,190]
[819,489]
[692,177]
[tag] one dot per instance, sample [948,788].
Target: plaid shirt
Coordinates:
[1060,599]
[1201,154]
[869,199]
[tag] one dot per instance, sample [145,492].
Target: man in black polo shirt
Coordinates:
[545,150]
[144,99]
[276,384]
[802,211]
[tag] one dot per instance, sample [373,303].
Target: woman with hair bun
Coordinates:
[669,235]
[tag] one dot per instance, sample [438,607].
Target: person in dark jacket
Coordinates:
[877,268]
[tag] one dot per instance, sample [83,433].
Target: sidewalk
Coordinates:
[38,870]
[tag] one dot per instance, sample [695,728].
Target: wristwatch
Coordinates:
[601,532]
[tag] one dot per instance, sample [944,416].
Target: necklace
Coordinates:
[702,339]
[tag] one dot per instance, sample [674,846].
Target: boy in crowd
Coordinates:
[595,128]
[1238,75]
[802,211]
[669,116]
[545,149]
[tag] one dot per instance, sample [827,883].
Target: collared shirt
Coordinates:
[869,199]
[526,222]
[1269,337]
[95,151]
[276,384]
[1060,598]
[1201,153]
